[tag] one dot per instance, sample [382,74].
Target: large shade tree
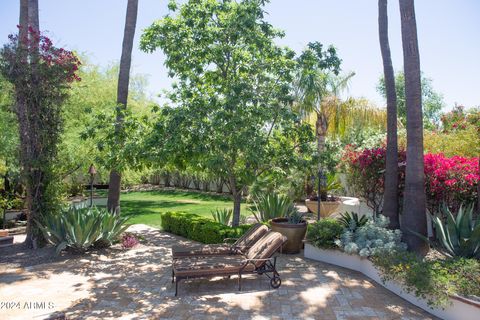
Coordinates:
[414,203]
[113,201]
[232,93]
[390,206]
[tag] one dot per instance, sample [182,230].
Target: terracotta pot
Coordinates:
[3,233]
[326,207]
[295,234]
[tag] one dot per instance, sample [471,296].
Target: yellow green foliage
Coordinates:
[464,143]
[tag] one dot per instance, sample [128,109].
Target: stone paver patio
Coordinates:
[136,284]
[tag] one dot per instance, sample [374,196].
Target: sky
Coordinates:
[448,33]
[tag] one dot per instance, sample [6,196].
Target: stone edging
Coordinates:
[460,308]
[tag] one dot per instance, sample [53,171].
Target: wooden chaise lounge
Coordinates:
[257,260]
[240,246]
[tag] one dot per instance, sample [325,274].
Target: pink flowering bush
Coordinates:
[51,67]
[366,173]
[129,240]
[450,180]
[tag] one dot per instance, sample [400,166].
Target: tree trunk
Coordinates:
[237,200]
[321,127]
[28,113]
[414,215]
[33,15]
[390,203]
[113,201]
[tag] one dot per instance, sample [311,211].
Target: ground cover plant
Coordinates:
[431,279]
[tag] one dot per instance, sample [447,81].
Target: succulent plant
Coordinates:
[458,236]
[223,216]
[272,205]
[352,221]
[80,229]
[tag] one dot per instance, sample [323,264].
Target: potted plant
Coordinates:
[293,226]
[328,203]
[283,217]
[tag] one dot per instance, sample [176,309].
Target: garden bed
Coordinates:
[459,307]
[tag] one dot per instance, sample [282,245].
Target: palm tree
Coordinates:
[317,93]
[390,206]
[113,201]
[413,217]
[28,118]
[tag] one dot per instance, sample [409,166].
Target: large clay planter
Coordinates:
[295,234]
[326,207]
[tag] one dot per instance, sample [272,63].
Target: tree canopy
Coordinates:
[432,101]
[231,103]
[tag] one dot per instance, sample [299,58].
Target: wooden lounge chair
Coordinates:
[258,259]
[240,246]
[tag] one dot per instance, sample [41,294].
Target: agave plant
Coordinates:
[295,216]
[223,216]
[112,226]
[458,236]
[352,221]
[272,205]
[80,229]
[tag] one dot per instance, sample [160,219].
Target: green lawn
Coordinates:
[145,207]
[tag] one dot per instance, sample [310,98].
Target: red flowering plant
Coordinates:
[33,57]
[452,181]
[366,173]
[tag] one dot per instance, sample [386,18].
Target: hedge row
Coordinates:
[198,228]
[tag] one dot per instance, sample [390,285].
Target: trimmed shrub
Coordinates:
[324,233]
[199,228]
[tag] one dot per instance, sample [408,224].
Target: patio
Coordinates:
[136,284]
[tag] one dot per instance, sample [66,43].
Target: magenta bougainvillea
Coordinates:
[53,65]
[452,181]
[366,173]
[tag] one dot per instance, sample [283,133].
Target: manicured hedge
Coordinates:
[199,228]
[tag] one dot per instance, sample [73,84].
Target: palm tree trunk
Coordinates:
[390,203]
[414,215]
[21,108]
[113,202]
[321,127]
[31,140]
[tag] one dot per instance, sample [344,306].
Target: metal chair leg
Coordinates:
[176,287]
[239,281]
